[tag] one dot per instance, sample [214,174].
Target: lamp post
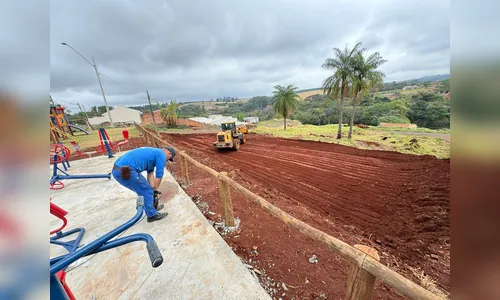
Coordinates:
[98,79]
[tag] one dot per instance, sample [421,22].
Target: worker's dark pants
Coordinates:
[141,186]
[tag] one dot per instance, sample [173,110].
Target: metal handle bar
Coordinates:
[154,253]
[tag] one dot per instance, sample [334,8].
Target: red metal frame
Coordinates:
[61,152]
[60,214]
[102,149]
[62,277]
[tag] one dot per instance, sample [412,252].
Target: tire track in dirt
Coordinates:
[401,201]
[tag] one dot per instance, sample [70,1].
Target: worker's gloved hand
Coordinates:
[157,194]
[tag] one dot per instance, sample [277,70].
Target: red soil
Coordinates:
[396,203]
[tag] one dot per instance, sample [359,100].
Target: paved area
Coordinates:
[198,264]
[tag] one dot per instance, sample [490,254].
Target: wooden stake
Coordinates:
[360,283]
[184,170]
[227,205]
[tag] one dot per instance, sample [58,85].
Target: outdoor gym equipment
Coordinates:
[60,154]
[72,245]
[107,145]
[57,285]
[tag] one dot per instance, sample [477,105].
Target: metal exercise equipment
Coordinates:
[58,288]
[60,154]
[72,245]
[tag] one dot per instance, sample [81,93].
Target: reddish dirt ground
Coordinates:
[396,203]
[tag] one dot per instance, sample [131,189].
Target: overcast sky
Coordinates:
[194,50]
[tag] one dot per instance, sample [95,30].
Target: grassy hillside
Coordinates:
[369,138]
[304,95]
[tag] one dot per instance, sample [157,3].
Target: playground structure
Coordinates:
[59,154]
[59,290]
[60,128]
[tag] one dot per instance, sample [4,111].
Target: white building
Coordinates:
[251,120]
[216,120]
[120,115]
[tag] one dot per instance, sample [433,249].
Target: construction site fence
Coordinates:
[365,260]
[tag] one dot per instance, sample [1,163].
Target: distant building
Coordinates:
[121,115]
[251,120]
[410,87]
[216,120]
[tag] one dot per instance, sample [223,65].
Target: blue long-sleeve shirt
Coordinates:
[144,159]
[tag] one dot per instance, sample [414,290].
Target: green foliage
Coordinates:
[429,110]
[390,86]
[255,103]
[169,113]
[265,114]
[444,86]
[342,65]
[240,116]
[320,109]
[394,119]
[285,101]
[190,110]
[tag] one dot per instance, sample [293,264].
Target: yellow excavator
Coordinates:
[230,136]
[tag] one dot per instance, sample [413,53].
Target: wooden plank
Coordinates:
[360,283]
[184,170]
[227,204]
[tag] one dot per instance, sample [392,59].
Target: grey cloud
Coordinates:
[195,50]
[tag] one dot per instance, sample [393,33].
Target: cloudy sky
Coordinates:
[194,50]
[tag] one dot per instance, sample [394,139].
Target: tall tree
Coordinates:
[364,77]
[338,83]
[285,101]
[169,113]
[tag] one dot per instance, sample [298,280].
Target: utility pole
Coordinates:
[86,117]
[151,109]
[103,95]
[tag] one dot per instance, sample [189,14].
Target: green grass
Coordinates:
[361,138]
[92,140]
[426,130]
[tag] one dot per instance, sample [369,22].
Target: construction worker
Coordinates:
[127,171]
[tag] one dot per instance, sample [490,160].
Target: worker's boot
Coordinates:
[156,203]
[157,217]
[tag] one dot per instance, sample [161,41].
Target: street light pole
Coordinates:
[98,78]
[103,95]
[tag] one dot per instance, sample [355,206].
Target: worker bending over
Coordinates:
[128,168]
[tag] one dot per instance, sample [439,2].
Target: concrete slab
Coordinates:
[198,264]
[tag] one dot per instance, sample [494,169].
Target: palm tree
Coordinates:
[169,113]
[364,78]
[285,101]
[338,82]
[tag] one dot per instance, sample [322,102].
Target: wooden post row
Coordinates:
[360,283]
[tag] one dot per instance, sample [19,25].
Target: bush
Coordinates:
[429,110]
[394,119]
